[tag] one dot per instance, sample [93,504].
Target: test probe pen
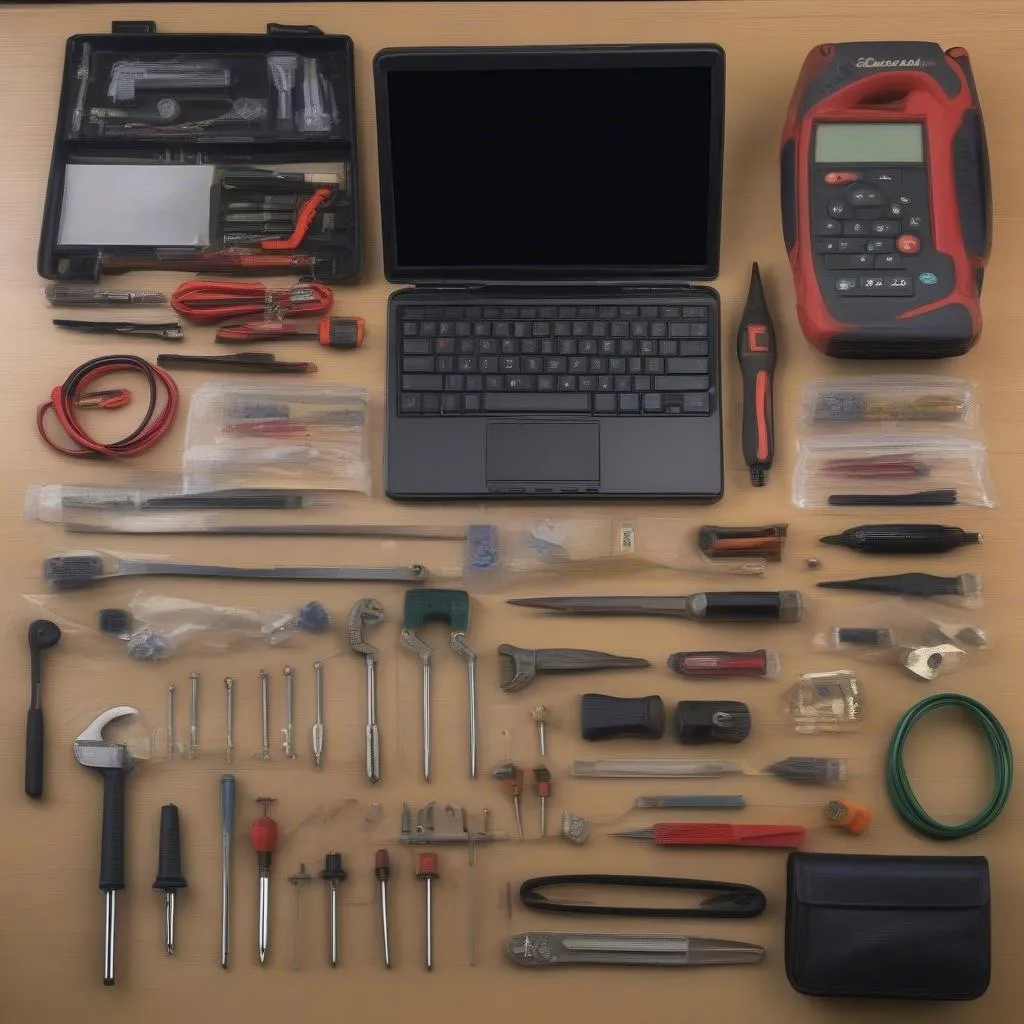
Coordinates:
[712,606]
[755,347]
[903,539]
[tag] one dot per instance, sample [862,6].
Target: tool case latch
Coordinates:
[84,267]
[276,29]
[133,28]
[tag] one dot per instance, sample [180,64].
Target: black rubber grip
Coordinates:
[112,842]
[34,753]
[168,870]
[605,718]
[742,606]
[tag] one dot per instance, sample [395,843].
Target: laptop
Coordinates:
[549,207]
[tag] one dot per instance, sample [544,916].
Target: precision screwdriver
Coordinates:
[687,833]
[756,350]
[903,539]
[333,873]
[426,868]
[263,836]
[913,584]
[169,878]
[227,828]
[382,870]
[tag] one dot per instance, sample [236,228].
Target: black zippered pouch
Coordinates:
[161,140]
[888,927]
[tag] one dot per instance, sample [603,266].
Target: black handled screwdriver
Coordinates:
[42,635]
[755,347]
[169,878]
[903,539]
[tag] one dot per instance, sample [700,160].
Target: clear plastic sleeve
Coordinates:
[283,435]
[871,469]
[893,403]
[825,702]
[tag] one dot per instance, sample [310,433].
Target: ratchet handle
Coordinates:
[604,718]
[112,843]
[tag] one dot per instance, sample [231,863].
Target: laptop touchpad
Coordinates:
[544,452]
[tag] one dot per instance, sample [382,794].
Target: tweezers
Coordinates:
[727,899]
[170,331]
[552,949]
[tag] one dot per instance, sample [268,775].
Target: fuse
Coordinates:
[713,664]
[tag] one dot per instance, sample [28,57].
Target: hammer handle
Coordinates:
[112,843]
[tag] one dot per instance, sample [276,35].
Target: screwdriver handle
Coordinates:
[227,805]
[34,753]
[603,717]
[112,841]
[687,833]
[751,606]
[168,871]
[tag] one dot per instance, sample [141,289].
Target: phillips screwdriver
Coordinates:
[382,869]
[426,868]
[687,833]
[329,331]
[333,873]
[718,664]
[756,350]
[263,836]
[169,878]
[903,539]
[510,775]
[227,828]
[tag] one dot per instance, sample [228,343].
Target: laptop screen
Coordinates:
[596,163]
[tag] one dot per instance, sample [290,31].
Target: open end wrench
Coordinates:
[365,614]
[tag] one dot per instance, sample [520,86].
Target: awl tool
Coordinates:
[263,836]
[521,665]
[333,874]
[687,833]
[43,635]
[227,828]
[114,762]
[713,606]
[169,878]
[382,872]
[364,615]
[913,584]
[903,539]
[756,349]
[552,949]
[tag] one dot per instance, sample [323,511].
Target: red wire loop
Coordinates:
[64,403]
[208,301]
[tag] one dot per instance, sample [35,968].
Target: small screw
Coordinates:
[813,563]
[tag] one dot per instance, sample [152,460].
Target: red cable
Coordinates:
[155,423]
[208,301]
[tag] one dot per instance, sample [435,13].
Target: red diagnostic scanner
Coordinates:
[886,203]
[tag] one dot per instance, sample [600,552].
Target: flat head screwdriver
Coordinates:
[426,868]
[265,704]
[169,878]
[333,873]
[263,836]
[227,828]
[298,880]
[382,869]
[318,725]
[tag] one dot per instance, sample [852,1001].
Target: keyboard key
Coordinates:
[628,347]
[587,312]
[654,364]
[454,382]
[604,404]
[520,383]
[587,383]
[679,330]
[528,312]
[693,348]
[587,346]
[578,364]
[432,404]
[629,403]
[575,402]
[638,329]
[648,347]
[668,347]
[629,310]
[642,383]
[416,348]
[566,346]
[695,312]
[546,383]
[608,312]
[697,401]
[510,346]
[474,382]
[428,329]
[699,330]
[409,329]
[541,329]
[487,364]
[531,346]
[649,311]
[467,347]
[502,329]
[566,312]
[607,346]
[686,366]
[547,312]
[416,312]
[488,346]
[619,329]
[509,364]
[494,382]
[622,382]
[556,364]
[617,365]
[411,403]
[451,404]
[673,404]
[670,312]
[658,329]
[473,313]
[521,329]
[565,384]
[652,402]
[444,346]
[634,365]
[597,365]
[532,364]
[445,364]
[605,383]
[418,364]
[509,313]
[580,328]
[695,382]
[562,328]
[462,328]
[490,313]
[421,382]
[446,328]
[471,403]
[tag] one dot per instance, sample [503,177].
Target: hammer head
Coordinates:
[518,666]
[93,751]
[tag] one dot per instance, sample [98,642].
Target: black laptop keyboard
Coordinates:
[639,360]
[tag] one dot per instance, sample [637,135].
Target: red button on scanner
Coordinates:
[841,177]
[908,244]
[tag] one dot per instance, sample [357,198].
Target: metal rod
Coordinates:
[318,726]
[193,718]
[471,681]
[170,721]
[265,698]
[169,921]
[229,686]
[372,728]
[426,720]
[289,702]
[109,931]
[428,960]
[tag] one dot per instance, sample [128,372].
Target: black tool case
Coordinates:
[140,98]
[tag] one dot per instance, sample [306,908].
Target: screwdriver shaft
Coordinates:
[229,686]
[169,921]
[385,937]
[263,926]
[372,728]
[519,817]
[334,924]
[170,721]
[109,933]
[318,725]
[227,827]
[265,699]
[426,720]
[193,718]
[289,710]
[428,951]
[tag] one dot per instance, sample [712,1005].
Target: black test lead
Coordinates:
[756,349]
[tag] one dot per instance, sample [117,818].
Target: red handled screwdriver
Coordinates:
[716,664]
[755,347]
[689,833]
[263,836]
[329,331]
[426,868]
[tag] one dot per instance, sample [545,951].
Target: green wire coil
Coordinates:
[901,793]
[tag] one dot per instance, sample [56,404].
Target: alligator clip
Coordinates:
[170,331]
[107,398]
[727,899]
